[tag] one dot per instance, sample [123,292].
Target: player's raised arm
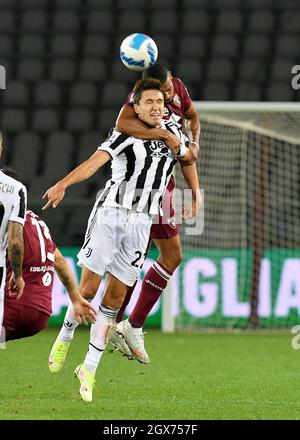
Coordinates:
[15,255]
[81,307]
[85,170]
[194,128]
[190,175]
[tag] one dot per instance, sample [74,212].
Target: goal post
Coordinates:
[167,315]
[243,270]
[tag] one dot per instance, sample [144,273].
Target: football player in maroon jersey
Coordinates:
[165,234]
[29,315]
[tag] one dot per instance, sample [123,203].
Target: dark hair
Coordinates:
[156,71]
[11,173]
[1,136]
[142,85]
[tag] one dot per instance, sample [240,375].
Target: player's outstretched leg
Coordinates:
[63,341]
[155,281]
[99,334]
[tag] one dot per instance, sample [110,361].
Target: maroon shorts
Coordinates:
[20,321]
[164,229]
[165,226]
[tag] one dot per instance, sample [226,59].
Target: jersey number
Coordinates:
[43,232]
[136,262]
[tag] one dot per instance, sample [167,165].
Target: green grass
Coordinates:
[191,376]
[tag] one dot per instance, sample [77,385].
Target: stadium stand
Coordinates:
[66,84]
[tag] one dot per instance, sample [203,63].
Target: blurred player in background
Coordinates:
[13,202]
[30,314]
[164,233]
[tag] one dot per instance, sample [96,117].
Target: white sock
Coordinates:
[106,318]
[66,333]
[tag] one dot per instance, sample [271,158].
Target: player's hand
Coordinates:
[55,194]
[16,286]
[190,156]
[83,311]
[172,142]
[191,211]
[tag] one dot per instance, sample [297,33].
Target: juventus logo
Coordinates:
[159,149]
[157,145]
[89,252]
[68,324]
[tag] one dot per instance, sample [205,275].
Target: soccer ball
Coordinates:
[138,51]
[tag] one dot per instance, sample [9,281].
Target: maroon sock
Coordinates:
[125,303]
[154,283]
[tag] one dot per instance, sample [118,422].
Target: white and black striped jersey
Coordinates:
[13,203]
[141,170]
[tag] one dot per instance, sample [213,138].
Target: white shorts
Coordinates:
[116,241]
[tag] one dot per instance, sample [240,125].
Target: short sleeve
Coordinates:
[18,212]
[116,143]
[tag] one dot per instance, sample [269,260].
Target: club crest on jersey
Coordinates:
[177,100]
[171,222]
[47,279]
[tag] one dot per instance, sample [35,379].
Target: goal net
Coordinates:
[243,270]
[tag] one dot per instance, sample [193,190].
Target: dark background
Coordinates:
[66,83]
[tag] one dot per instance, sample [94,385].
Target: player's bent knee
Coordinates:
[115,299]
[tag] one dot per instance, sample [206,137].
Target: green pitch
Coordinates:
[191,376]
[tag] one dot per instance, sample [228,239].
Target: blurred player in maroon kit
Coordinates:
[29,315]
[31,312]
[165,233]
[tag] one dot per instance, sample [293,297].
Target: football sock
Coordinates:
[155,281]
[106,317]
[66,333]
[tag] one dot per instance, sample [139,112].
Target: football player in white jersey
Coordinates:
[119,225]
[13,203]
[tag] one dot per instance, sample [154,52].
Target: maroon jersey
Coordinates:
[180,103]
[38,266]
